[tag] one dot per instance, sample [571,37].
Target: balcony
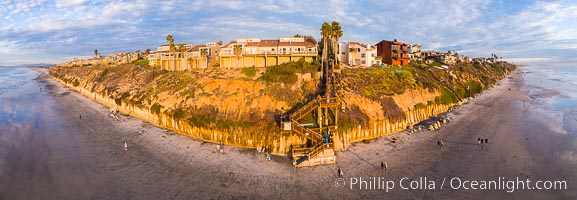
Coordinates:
[400,57]
[399,48]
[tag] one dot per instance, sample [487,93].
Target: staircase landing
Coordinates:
[325,157]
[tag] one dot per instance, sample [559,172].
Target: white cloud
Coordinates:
[11,7]
[69,3]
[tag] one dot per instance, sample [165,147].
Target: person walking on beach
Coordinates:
[478,140]
[486,141]
[339,172]
[440,143]
[125,146]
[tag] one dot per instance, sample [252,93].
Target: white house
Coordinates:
[357,54]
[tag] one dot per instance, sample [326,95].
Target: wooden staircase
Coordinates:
[318,151]
[321,152]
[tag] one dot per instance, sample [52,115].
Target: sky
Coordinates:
[54,31]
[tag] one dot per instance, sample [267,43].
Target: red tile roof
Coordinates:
[268,43]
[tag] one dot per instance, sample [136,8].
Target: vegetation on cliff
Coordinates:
[246,103]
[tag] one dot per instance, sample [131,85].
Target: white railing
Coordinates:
[271,53]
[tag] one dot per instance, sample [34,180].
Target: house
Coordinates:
[357,54]
[393,52]
[111,59]
[247,52]
[415,52]
[443,58]
[203,56]
[169,59]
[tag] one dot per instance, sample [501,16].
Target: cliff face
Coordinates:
[242,107]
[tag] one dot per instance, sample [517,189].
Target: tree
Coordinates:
[95,52]
[182,49]
[170,41]
[336,34]
[173,51]
[325,33]
[237,53]
[310,39]
[190,63]
[204,54]
[147,52]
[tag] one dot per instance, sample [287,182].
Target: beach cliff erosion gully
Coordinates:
[232,108]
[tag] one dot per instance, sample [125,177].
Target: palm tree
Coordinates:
[325,32]
[146,52]
[203,54]
[237,52]
[190,63]
[95,52]
[170,41]
[182,49]
[336,34]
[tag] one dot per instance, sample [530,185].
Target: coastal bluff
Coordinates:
[242,107]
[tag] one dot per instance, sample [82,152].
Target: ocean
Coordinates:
[554,90]
[22,100]
[29,117]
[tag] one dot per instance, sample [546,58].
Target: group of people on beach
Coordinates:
[266,153]
[481,141]
[384,166]
[440,143]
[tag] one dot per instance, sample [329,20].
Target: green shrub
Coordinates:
[419,106]
[178,113]
[141,62]
[75,83]
[211,122]
[447,97]
[378,82]
[474,87]
[155,108]
[436,64]
[103,74]
[285,72]
[249,71]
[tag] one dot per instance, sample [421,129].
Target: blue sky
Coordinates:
[53,31]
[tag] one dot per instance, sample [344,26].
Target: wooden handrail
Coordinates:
[309,107]
[316,150]
[314,135]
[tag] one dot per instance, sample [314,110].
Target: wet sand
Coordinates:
[73,158]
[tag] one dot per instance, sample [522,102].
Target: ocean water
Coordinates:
[554,89]
[29,117]
[19,94]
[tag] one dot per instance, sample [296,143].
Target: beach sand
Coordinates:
[87,158]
